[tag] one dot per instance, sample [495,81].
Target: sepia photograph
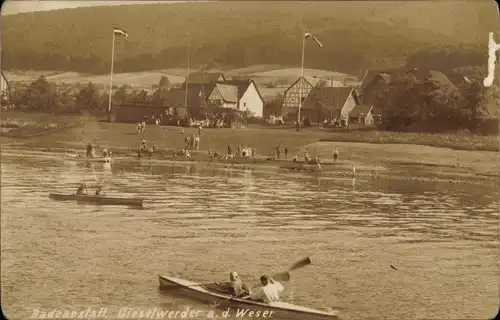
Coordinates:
[283,160]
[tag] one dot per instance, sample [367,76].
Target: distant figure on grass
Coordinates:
[90,151]
[295,157]
[151,151]
[229,150]
[306,157]
[286,151]
[105,153]
[335,155]
[199,130]
[268,292]
[197,142]
[81,191]
[278,151]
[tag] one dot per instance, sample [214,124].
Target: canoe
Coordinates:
[276,310]
[103,200]
[77,157]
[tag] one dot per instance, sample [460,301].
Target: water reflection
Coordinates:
[201,220]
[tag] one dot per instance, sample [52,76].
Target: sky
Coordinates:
[20,6]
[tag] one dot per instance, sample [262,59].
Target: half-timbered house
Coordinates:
[329,103]
[291,97]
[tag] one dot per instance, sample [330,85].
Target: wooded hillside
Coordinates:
[356,35]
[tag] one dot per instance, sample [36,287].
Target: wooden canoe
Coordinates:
[276,310]
[103,200]
[77,157]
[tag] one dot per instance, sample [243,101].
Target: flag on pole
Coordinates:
[120,32]
[307,35]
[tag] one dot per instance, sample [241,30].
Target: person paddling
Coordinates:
[269,290]
[81,191]
[99,191]
[238,289]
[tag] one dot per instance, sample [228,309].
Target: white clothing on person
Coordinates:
[269,293]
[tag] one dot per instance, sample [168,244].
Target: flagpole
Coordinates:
[187,76]
[301,79]
[111,76]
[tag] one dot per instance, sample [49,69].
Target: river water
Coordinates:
[200,222]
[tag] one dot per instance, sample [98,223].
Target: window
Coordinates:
[245,104]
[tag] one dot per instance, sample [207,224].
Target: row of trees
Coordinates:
[44,96]
[426,105]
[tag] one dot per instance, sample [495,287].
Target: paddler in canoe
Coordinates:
[82,190]
[100,191]
[268,291]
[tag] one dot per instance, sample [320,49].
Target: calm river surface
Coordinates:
[200,222]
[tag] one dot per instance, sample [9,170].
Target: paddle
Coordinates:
[283,275]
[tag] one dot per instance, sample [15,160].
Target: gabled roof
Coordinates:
[314,81]
[242,85]
[203,77]
[361,110]
[331,98]
[419,73]
[370,76]
[228,92]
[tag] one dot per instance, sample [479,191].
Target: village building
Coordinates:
[329,104]
[4,86]
[375,82]
[241,95]
[366,115]
[202,78]
[290,103]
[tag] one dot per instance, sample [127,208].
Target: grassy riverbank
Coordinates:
[372,150]
[18,125]
[264,138]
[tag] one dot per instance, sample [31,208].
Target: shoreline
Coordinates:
[373,169]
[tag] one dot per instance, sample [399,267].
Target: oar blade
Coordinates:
[300,264]
[282,276]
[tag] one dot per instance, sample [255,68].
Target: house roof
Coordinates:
[242,85]
[314,81]
[361,110]
[228,92]
[203,77]
[327,97]
[419,73]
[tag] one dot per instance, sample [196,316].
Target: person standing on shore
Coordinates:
[229,150]
[335,155]
[286,151]
[278,151]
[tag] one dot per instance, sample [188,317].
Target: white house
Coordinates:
[4,84]
[252,101]
[241,95]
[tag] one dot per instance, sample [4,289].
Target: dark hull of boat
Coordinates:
[278,310]
[85,159]
[98,199]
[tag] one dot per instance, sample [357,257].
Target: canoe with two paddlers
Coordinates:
[102,200]
[274,310]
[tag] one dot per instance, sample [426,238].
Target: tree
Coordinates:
[160,94]
[41,95]
[88,98]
